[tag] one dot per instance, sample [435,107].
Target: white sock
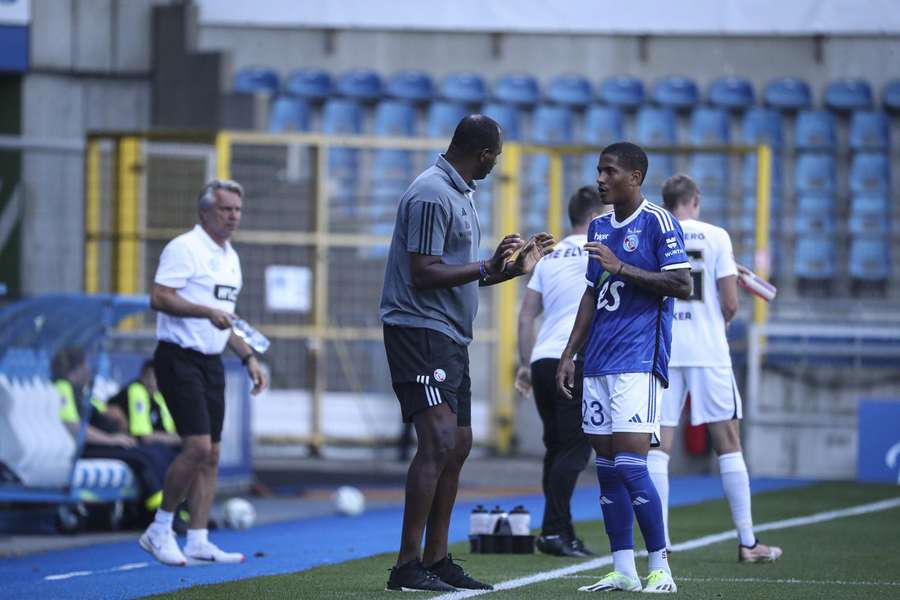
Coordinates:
[196,537]
[659,560]
[162,519]
[623,562]
[658,466]
[736,483]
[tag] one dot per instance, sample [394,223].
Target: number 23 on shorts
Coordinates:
[592,413]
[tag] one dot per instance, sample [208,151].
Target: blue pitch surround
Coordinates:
[111,572]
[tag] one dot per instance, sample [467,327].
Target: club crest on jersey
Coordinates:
[226,292]
[439,375]
[631,242]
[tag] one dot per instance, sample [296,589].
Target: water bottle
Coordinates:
[479,521]
[494,519]
[520,521]
[254,338]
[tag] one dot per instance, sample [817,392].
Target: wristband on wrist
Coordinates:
[621,266]
[246,359]
[482,269]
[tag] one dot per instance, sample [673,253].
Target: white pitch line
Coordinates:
[760,580]
[125,567]
[706,540]
[67,575]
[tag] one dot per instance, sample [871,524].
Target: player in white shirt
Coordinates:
[700,365]
[194,291]
[555,289]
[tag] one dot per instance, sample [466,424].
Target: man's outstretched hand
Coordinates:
[528,256]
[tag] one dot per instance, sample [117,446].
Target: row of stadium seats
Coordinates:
[677,92]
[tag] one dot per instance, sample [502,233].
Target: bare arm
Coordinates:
[565,375]
[676,283]
[728,296]
[165,299]
[532,307]
[93,435]
[245,352]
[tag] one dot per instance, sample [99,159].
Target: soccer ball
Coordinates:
[239,514]
[349,501]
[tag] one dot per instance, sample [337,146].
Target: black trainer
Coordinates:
[579,547]
[413,577]
[452,573]
[557,545]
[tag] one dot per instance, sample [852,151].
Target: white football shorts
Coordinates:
[625,402]
[714,395]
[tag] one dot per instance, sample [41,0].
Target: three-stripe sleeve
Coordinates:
[427,226]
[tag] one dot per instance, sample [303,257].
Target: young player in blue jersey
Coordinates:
[638,266]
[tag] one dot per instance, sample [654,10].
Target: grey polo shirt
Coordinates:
[437,217]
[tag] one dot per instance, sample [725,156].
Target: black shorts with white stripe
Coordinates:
[428,369]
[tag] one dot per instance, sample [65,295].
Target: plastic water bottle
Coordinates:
[495,517]
[254,338]
[479,521]
[520,521]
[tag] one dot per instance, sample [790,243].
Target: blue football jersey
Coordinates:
[632,327]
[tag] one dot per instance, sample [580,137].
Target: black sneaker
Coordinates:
[413,577]
[452,573]
[557,545]
[578,546]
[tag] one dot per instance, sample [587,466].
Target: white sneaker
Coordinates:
[613,582]
[660,582]
[160,542]
[210,552]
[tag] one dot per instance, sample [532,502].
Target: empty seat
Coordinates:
[869,131]
[815,214]
[814,258]
[468,88]
[507,116]
[815,130]
[393,118]
[788,93]
[552,125]
[869,173]
[890,95]
[676,92]
[517,89]
[289,114]
[603,125]
[848,94]
[655,126]
[870,213]
[870,258]
[713,207]
[814,173]
[361,84]
[731,93]
[748,209]
[708,126]
[414,86]
[257,79]
[443,117]
[623,91]
[313,84]
[571,90]
[342,116]
[659,168]
[762,126]
[710,171]
[750,173]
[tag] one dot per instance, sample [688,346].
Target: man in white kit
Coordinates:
[194,291]
[701,365]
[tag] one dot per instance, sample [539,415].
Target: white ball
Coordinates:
[349,501]
[239,514]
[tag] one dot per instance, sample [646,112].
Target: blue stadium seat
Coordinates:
[815,130]
[714,208]
[342,116]
[748,209]
[762,126]
[788,93]
[395,118]
[313,84]
[870,214]
[676,92]
[361,84]
[518,89]
[815,214]
[414,86]
[815,173]
[257,79]
[749,173]
[869,130]
[709,126]
[710,171]
[443,117]
[660,167]
[890,95]
[508,117]
[623,91]
[848,94]
[603,125]
[734,93]
[655,126]
[814,257]
[570,90]
[869,173]
[289,114]
[870,258]
[551,125]
[467,88]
